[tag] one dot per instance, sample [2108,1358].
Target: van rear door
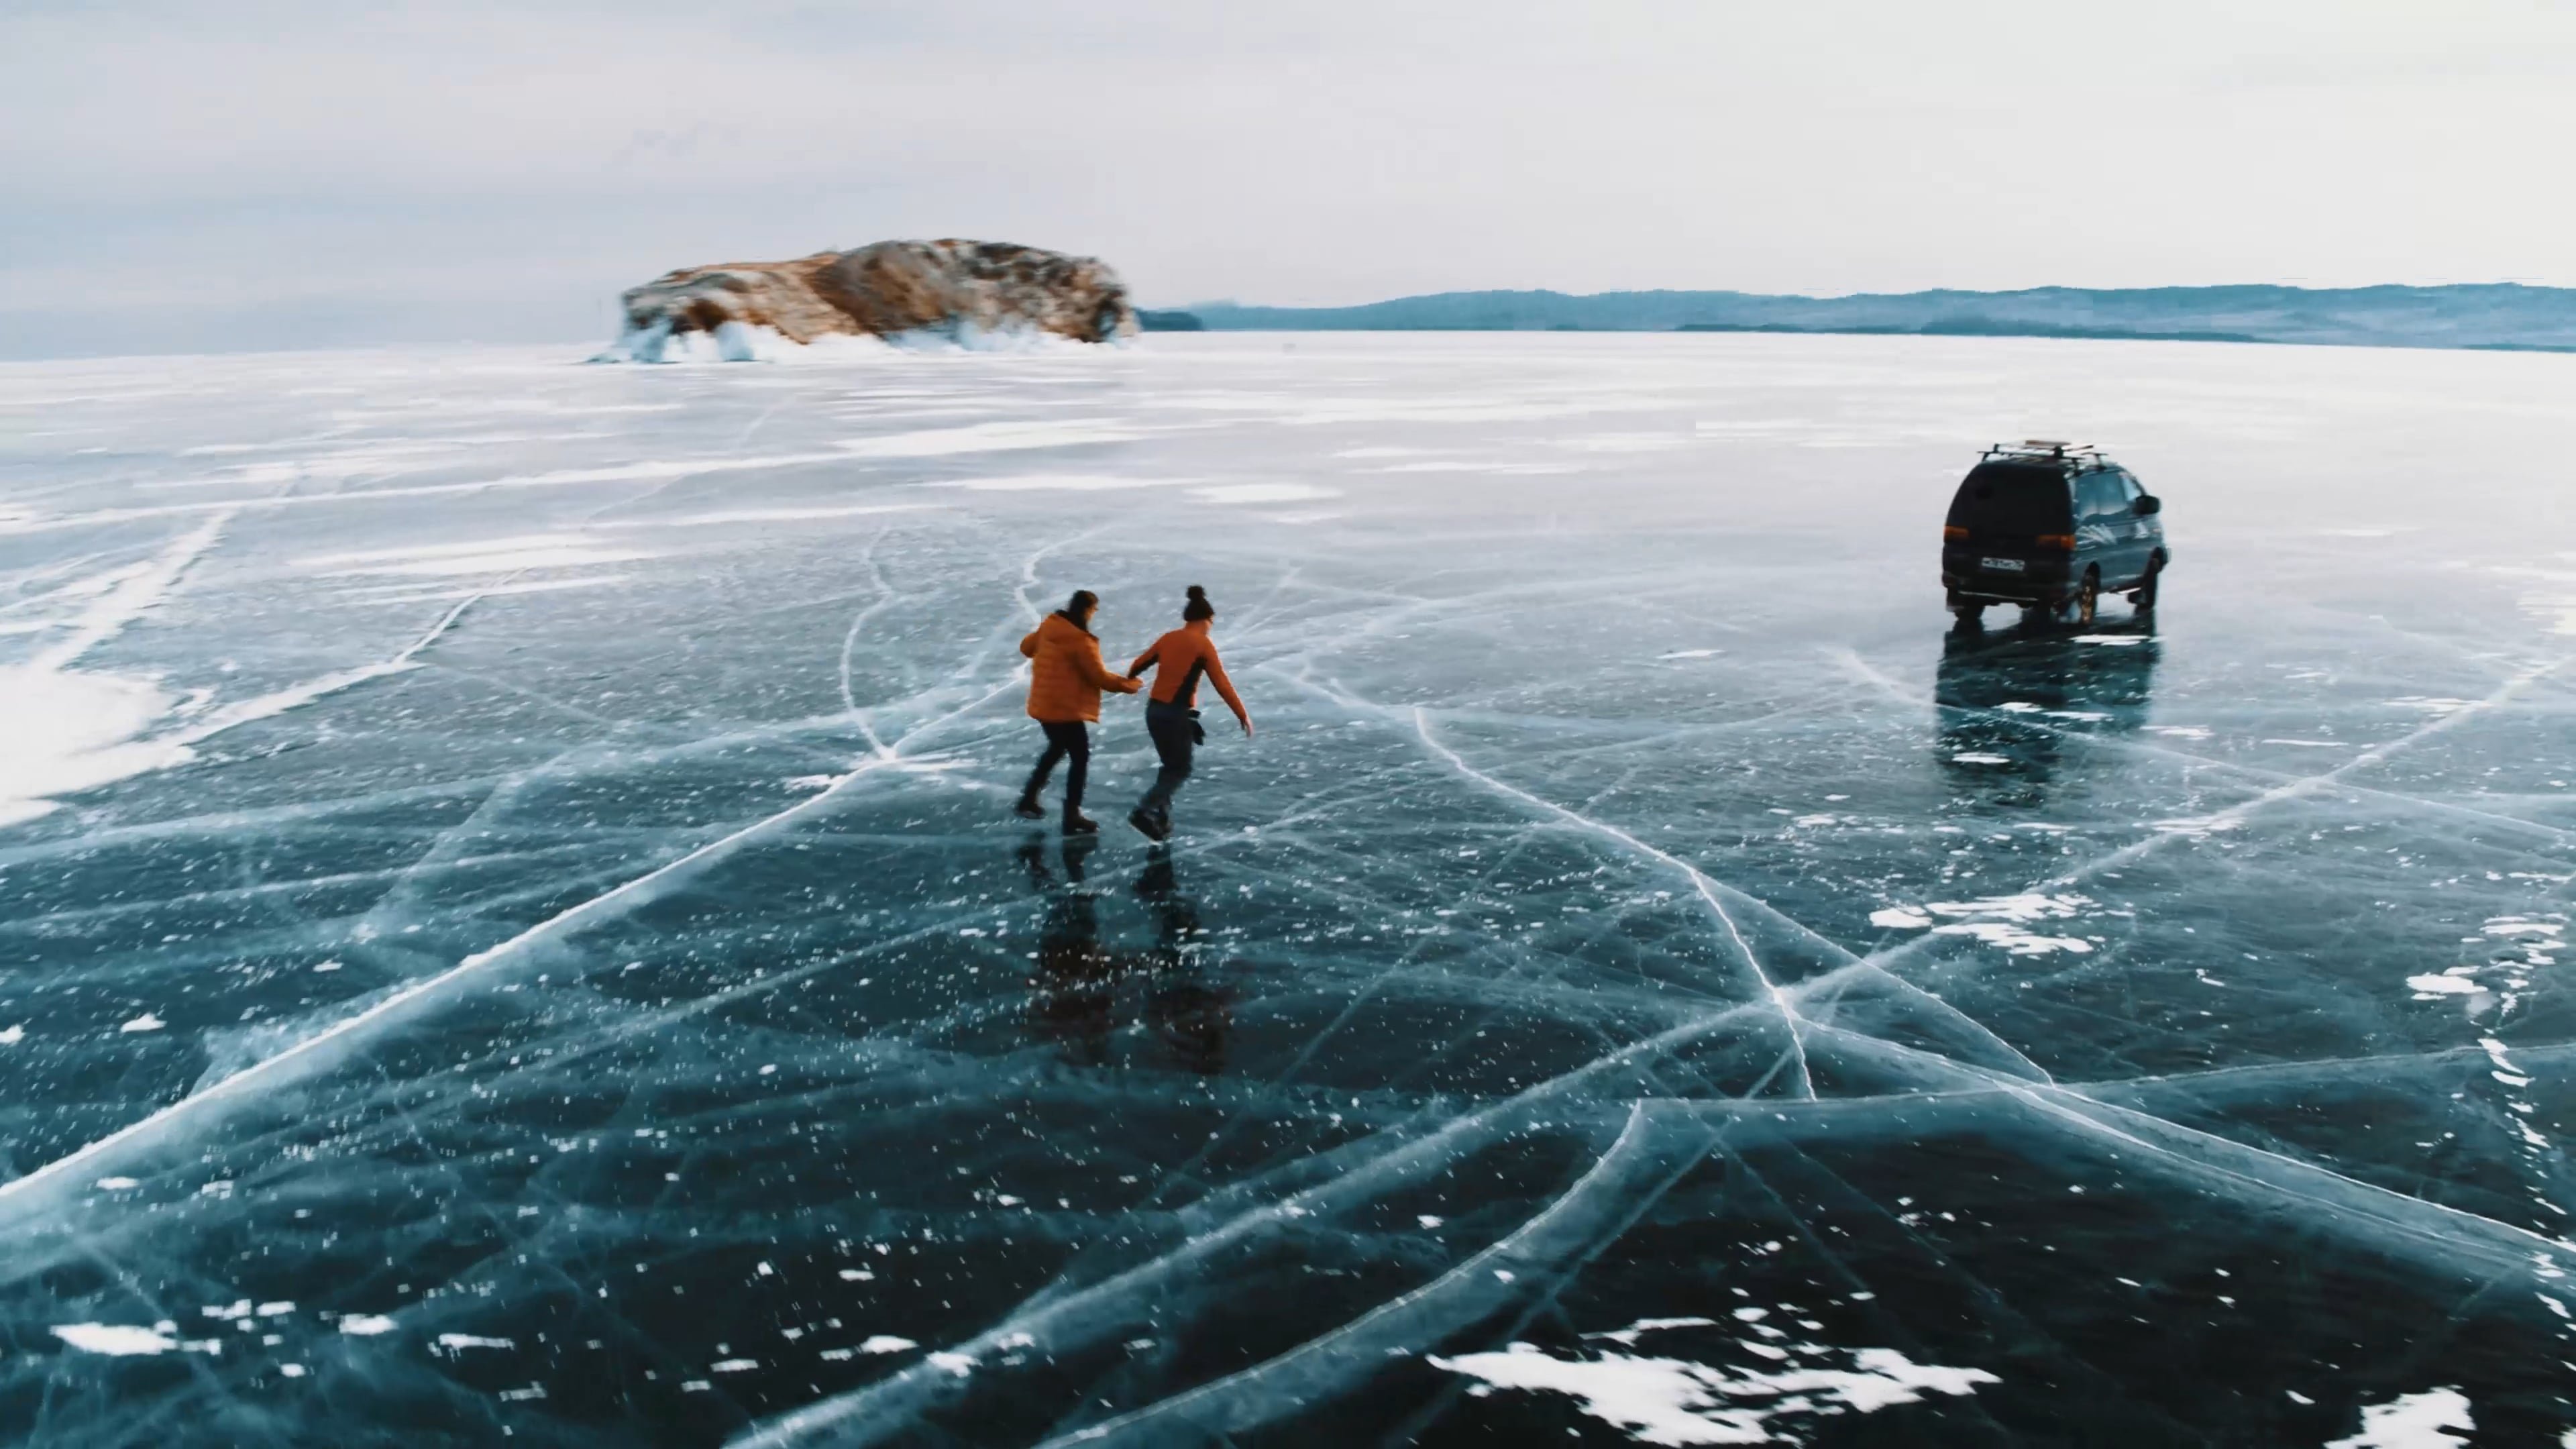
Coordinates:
[2011,504]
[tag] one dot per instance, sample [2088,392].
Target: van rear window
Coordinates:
[2011,498]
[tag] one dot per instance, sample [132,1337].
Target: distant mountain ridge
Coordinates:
[2501,316]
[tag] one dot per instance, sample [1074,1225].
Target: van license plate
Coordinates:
[2002,565]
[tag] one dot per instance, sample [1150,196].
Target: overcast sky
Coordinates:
[282,174]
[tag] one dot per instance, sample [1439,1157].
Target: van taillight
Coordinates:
[2064,541]
[1952,533]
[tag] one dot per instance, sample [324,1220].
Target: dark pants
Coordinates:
[1064,741]
[1176,735]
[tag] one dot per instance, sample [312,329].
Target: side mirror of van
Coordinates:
[2149,503]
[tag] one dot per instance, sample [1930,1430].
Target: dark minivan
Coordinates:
[2047,525]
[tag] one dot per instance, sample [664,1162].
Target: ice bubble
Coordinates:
[1673,1401]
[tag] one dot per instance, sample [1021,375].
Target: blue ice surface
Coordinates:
[511,921]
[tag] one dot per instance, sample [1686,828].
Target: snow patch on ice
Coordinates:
[1996,920]
[377,597]
[76,730]
[1623,443]
[992,438]
[2412,1421]
[1263,493]
[1461,465]
[492,556]
[117,1339]
[767,515]
[1673,1401]
[2517,926]
[70,731]
[1060,483]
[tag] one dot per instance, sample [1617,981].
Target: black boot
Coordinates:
[1029,808]
[1149,825]
[1077,823]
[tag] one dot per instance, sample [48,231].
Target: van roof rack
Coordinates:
[2047,450]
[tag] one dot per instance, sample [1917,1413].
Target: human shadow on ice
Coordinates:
[1083,991]
[2009,702]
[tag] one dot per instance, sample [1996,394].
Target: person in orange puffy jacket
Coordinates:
[1172,716]
[1065,680]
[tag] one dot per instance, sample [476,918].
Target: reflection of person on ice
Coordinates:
[1171,717]
[1065,680]
[1073,994]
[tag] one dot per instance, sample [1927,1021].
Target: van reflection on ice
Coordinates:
[1075,993]
[2009,702]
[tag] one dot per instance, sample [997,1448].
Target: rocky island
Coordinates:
[963,290]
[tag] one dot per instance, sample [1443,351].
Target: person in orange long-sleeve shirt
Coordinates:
[1065,680]
[1171,716]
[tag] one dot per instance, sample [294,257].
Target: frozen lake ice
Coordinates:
[511,925]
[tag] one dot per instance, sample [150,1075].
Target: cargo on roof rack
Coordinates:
[2084,456]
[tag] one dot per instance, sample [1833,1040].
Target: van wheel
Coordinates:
[2143,597]
[2088,599]
[1970,617]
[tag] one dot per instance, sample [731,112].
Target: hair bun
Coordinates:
[1197,593]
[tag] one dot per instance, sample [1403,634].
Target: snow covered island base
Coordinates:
[512,929]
